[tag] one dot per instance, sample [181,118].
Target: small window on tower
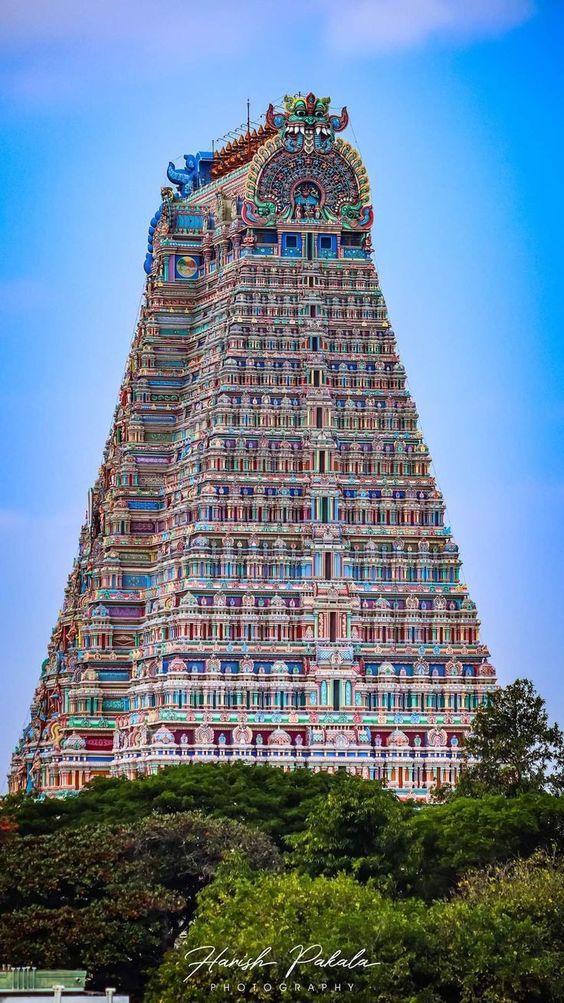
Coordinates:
[326,243]
[291,240]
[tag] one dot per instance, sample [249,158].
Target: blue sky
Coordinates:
[456,109]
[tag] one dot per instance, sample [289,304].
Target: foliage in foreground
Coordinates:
[283,911]
[108,879]
[362,830]
[499,940]
[113,898]
[335,823]
[263,796]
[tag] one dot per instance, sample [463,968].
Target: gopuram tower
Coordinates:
[265,573]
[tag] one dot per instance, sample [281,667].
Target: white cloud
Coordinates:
[389,25]
[191,30]
[58,48]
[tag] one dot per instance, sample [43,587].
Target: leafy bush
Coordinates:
[498,940]
[281,911]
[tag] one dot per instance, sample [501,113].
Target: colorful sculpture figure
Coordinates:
[306,123]
[185,178]
[196,173]
[307,201]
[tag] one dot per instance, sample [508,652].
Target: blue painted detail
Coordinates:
[291,245]
[194,175]
[437,669]
[326,245]
[354,252]
[152,226]
[187,266]
[266,236]
[136,581]
[193,665]
[115,705]
[144,504]
[188,221]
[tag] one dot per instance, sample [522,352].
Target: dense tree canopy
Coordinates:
[274,801]
[108,879]
[501,937]
[447,840]
[112,898]
[282,911]
[334,823]
[363,830]
[359,828]
[498,940]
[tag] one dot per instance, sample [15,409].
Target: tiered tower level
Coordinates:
[265,572]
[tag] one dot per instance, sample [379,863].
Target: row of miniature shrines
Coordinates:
[211,629]
[278,700]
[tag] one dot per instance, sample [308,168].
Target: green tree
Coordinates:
[498,940]
[359,828]
[279,912]
[114,898]
[445,841]
[363,830]
[502,935]
[270,799]
[515,748]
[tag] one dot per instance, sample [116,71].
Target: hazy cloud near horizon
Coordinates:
[47,42]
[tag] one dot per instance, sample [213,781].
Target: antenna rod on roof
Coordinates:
[249,125]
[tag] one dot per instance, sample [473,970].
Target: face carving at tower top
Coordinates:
[306,124]
[306,173]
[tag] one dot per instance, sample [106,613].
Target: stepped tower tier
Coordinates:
[265,572]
